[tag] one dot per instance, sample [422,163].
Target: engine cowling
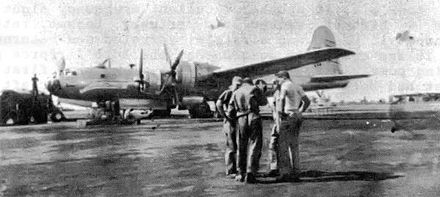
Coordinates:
[153,79]
[186,76]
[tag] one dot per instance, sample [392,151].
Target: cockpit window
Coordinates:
[68,72]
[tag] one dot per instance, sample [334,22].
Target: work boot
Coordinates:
[239,177]
[250,178]
[273,173]
[229,172]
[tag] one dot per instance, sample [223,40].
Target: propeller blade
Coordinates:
[61,65]
[34,85]
[141,66]
[167,55]
[177,61]
[176,96]
[141,70]
[172,75]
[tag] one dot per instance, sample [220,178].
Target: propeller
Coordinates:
[54,84]
[171,80]
[141,81]
[61,65]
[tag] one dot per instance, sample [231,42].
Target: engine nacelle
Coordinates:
[188,73]
[186,76]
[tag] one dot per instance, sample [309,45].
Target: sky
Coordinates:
[36,34]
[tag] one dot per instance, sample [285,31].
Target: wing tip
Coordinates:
[345,51]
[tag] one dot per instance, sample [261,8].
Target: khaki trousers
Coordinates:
[289,144]
[231,147]
[249,142]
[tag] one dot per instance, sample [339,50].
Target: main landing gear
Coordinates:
[108,112]
[201,110]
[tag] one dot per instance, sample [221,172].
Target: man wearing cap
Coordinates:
[229,127]
[244,105]
[293,101]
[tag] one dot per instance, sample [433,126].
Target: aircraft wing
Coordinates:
[287,63]
[332,78]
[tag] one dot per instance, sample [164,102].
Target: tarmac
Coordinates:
[184,157]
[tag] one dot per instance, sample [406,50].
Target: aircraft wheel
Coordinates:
[161,113]
[201,110]
[38,117]
[10,119]
[42,118]
[57,116]
[32,119]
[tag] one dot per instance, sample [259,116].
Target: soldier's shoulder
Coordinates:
[243,88]
[290,84]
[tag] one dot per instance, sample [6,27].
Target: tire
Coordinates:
[193,113]
[10,119]
[41,118]
[38,117]
[200,111]
[162,113]
[57,116]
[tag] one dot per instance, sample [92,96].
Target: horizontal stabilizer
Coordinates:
[332,78]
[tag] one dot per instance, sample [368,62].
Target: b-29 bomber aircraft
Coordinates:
[189,85]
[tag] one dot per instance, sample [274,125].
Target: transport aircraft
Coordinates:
[189,85]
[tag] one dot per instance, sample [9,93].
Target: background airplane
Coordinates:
[218,25]
[189,85]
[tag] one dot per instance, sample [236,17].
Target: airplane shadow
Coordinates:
[321,176]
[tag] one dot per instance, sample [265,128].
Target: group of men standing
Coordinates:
[239,105]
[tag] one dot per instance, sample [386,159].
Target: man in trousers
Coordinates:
[244,105]
[229,127]
[293,101]
[273,143]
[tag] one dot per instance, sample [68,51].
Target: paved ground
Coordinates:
[185,158]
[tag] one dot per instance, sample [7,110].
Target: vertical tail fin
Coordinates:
[322,38]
